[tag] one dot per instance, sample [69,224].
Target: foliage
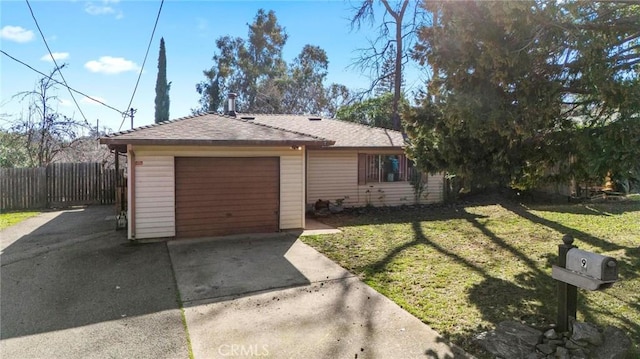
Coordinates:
[12,150]
[11,218]
[162,87]
[462,269]
[255,69]
[613,148]
[376,111]
[514,81]
[42,133]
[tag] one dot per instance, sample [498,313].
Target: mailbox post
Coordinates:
[567,293]
[579,268]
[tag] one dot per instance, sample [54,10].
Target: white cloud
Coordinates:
[111,65]
[103,8]
[91,102]
[56,55]
[16,33]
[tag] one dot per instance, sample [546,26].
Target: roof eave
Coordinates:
[120,142]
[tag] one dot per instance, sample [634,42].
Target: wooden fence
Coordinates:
[58,185]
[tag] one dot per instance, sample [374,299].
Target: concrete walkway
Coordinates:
[275,296]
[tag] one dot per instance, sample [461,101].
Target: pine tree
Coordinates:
[162,87]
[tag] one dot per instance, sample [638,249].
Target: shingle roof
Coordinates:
[345,134]
[212,129]
[258,129]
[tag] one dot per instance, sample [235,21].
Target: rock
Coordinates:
[578,354]
[586,333]
[545,348]
[551,334]
[562,353]
[521,332]
[616,345]
[510,339]
[556,342]
[573,345]
[532,356]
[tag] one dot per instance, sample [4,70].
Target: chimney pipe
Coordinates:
[232,104]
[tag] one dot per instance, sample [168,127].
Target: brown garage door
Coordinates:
[221,196]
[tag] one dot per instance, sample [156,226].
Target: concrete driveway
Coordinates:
[275,296]
[72,287]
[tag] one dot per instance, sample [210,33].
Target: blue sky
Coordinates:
[104,43]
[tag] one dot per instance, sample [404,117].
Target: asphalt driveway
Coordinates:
[73,287]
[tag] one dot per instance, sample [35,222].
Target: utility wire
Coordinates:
[56,63]
[124,115]
[60,83]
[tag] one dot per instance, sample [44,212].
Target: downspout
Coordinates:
[132,192]
[304,187]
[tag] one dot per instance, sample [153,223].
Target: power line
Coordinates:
[60,83]
[143,62]
[56,63]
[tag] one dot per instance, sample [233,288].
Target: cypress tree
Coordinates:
[162,87]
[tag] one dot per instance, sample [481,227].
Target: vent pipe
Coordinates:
[232,104]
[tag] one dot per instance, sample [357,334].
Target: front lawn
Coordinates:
[464,268]
[11,218]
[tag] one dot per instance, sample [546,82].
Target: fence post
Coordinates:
[567,293]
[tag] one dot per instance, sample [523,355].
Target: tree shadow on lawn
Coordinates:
[594,241]
[531,296]
[495,298]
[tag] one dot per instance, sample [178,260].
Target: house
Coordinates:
[211,174]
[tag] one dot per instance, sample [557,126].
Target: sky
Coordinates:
[103,43]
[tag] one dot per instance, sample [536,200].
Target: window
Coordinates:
[376,168]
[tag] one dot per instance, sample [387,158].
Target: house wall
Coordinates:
[155,196]
[333,174]
[155,184]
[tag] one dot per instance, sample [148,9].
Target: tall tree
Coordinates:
[243,66]
[514,81]
[42,133]
[255,69]
[375,111]
[304,90]
[386,81]
[162,87]
[396,35]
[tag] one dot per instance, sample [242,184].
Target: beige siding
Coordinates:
[435,188]
[291,173]
[332,175]
[291,192]
[399,193]
[155,196]
[386,194]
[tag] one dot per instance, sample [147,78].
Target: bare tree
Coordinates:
[44,131]
[396,32]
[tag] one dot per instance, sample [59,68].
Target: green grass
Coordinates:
[11,218]
[463,269]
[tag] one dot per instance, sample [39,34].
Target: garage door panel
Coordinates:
[233,212]
[220,196]
[212,201]
[247,191]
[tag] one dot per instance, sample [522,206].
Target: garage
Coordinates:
[218,196]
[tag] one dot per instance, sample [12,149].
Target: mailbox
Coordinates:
[579,269]
[587,270]
[592,265]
